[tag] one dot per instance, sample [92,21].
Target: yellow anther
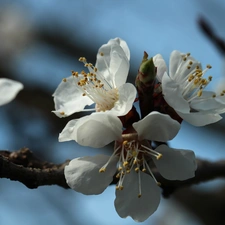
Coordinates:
[184,58]
[199,94]
[101,53]
[209,66]
[128,171]
[62,113]
[136,169]
[197,67]
[196,81]
[81,59]
[190,62]
[210,78]
[223,91]
[64,79]
[222,94]
[188,67]
[102,170]
[214,95]
[188,54]
[95,69]
[75,74]
[118,175]
[139,195]
[135,162]
[117,188]
[191,77]
[143,170]
[159,156]
[125,163]
[199,74]
[125,142]
[204,82]
[159,184]
[84,94]
[86,64]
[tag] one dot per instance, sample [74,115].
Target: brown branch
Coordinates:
[208,30]
[24,167]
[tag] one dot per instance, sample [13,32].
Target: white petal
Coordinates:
[207,103]
[161,66]
[127,202]
[114,64]
[178,67]
[124,46]
[69,133]
[8,90]
[127,94]
[175,164]
[172,92]
[157,127]
[96,130]
[82,174]
[68,98]
[199,118]
[119,66]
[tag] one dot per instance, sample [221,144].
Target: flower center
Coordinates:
[194,82]
[96,86]
[133,155]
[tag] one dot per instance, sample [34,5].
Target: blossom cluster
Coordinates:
[165,99]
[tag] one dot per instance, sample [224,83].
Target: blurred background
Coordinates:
[41,42]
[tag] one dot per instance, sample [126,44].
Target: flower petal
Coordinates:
[160,63]
[175,164]
[8,90]
[199,118]
[96,130]
[207,103]
[157,127]
[69,133]
[114,64]
[119,66]
[82,174]
[68,98]
[172,92]
[178,67]
[127,94]
[127,202]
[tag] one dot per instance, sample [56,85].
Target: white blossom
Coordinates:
[137,191]
[184,90]
[103,85]
[8,90]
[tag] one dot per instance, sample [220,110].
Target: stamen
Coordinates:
[139,184]
[152,152]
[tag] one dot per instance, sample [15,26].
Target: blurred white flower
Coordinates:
[183,90]
[137,191]
[8,90]
[104,84]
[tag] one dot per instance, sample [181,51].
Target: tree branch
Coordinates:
[24,167]
[208,30]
